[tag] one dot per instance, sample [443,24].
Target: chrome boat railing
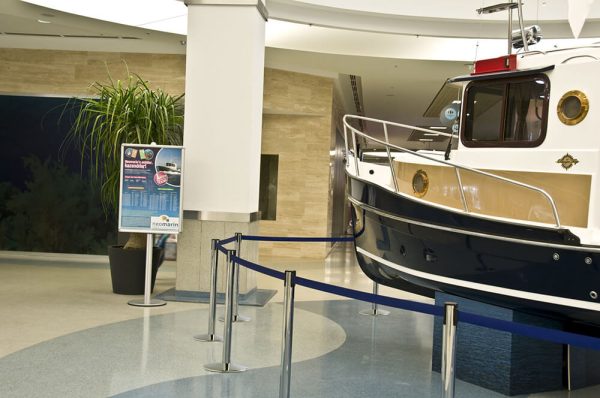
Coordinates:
[388,147]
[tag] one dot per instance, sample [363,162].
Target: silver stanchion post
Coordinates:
[236,288]
[147,301]
[288,331]
[374,311]
[214,263]
[449,349]
[225,366]
[236,293]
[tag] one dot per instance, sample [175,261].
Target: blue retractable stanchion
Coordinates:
[288,332]
[214,264]
[449,349]
[225,366]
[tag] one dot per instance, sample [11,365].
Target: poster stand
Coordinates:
[148,301]
[150,199]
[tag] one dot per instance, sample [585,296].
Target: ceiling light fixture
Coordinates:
[43,21]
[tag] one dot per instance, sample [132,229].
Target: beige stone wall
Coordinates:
[297,126]
[70,73]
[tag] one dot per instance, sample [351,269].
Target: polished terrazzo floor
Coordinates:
[64,334]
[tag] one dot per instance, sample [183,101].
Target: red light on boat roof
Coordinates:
[500,64]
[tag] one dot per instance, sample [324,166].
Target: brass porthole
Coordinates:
[573,107]
[420,183]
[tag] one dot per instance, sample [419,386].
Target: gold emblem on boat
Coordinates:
[567,161]
[420,183]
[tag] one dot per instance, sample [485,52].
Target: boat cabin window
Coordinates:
[506,113]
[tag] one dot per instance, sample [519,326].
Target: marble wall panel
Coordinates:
[70,73]
[297,123]
[297,119]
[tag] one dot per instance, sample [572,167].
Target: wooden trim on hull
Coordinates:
[571,192]
[587,249]
[402,205]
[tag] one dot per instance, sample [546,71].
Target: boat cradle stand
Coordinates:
[511,364]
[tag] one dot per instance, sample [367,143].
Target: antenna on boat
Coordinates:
[522,37]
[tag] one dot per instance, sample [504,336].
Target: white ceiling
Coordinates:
[438,18]
[402,50]
[19,28]
[443,9]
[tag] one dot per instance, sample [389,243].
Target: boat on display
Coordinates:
[172,171]
[507,214]
[168,166]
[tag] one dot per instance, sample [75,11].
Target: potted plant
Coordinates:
[124,112]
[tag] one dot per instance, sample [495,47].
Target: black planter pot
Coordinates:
[128,269]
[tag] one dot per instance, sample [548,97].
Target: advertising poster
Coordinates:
[150,196]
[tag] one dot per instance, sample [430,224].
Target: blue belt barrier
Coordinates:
[259,268]
[371,298]
[537,332]
[221,248]
[226,241]
[296,239]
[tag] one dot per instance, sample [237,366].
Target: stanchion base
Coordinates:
[208,338]
[238,318]
[225,368]
[142,303]
[376,312]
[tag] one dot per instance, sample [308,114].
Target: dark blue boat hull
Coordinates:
[413,246]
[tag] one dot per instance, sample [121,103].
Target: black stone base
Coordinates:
[500,361]
[584,365]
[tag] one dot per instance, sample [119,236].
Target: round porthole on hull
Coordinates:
[420,183]
[573,107]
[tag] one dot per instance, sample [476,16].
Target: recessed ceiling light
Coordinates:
[43,21]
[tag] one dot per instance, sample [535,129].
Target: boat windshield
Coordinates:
[506,113]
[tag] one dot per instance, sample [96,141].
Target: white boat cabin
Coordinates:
[526,150]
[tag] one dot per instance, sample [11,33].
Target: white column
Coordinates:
[223,106]
[222,131]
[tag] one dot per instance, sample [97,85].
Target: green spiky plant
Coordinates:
[123,112]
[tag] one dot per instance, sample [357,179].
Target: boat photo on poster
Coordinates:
[150,191]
